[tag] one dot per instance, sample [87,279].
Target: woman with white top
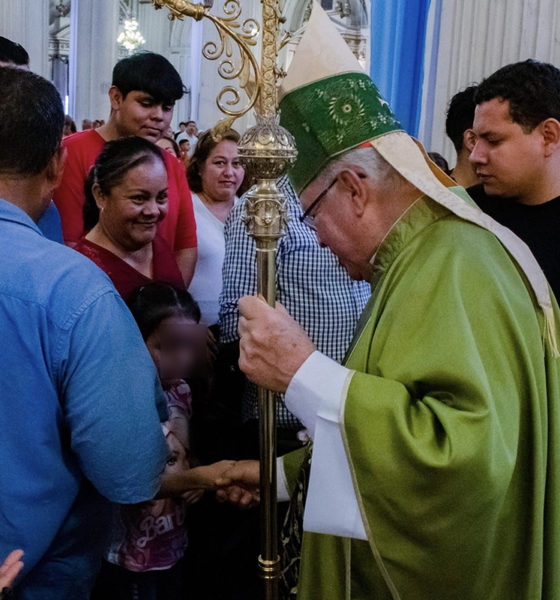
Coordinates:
[215,174]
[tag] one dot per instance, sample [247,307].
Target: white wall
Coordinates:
[93,54]
[477,37]
[27,23]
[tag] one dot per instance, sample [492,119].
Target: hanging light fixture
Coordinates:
[131,38]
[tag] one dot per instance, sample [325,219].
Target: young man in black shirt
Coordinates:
[517,156]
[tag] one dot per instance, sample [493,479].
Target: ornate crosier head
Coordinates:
[233,51]
[179,9]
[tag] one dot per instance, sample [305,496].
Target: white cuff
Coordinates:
[317,390]
[282,493]
[331,506]
[316,396]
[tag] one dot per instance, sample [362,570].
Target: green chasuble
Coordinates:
[451,428]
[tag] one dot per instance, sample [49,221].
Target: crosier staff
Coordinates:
[266,150]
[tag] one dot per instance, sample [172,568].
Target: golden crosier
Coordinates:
[266,151]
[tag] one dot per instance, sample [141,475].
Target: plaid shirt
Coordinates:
[310,283]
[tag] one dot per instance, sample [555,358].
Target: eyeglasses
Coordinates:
[307,218]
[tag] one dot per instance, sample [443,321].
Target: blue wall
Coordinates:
[398,36]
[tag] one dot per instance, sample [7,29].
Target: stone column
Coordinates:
[178,52]
[194,69]
[94,28]
[60,77]
[27,23]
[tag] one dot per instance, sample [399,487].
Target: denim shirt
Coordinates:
[78,394]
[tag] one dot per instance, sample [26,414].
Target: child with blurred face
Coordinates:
[151,538]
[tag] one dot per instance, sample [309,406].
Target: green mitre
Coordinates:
[328,103]
[331,116]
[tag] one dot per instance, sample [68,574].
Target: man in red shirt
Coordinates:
[143,93]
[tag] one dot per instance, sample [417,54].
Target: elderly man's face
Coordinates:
[337,225]
[355,213]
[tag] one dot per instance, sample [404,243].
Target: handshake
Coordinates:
[234,482]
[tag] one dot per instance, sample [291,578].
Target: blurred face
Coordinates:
[508,161]
[174,346]
[129,214]
[139,114]
[222,172]
[192,129]
[184,149]
[166,145]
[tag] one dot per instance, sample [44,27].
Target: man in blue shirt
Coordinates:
[78,389]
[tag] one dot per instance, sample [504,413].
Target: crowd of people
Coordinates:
[413,351]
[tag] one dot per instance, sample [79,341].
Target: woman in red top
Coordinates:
[126,198]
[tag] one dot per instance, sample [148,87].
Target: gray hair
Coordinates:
[369,159]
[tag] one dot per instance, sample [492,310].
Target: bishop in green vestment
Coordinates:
[435,467]
[450,426]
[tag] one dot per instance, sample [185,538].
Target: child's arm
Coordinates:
[178,480]
[209,477]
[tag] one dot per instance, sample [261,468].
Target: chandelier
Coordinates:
[130,38]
